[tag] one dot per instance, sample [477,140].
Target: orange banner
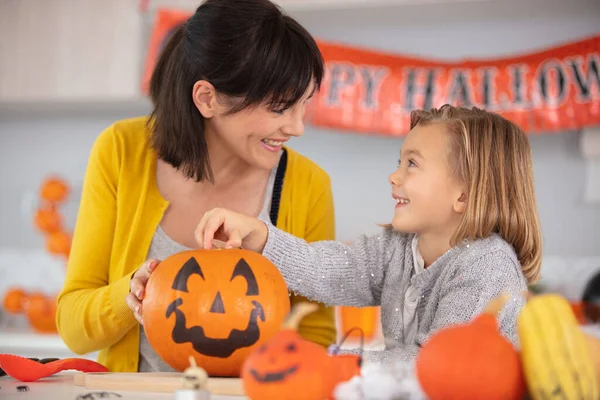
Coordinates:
[373,92]
[166,23]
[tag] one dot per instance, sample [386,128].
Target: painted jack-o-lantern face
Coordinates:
[290,367]
[215,305]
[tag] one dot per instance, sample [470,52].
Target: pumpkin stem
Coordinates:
[496,304]
[192,362]
[298,312]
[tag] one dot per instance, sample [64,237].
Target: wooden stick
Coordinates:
[157,382]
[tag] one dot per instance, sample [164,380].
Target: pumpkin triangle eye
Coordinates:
[243,269]
[188,269]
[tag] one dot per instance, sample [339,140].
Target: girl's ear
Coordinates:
[460,204]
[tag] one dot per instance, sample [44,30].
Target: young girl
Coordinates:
[465,229]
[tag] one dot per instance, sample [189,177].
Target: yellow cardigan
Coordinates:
[120,210]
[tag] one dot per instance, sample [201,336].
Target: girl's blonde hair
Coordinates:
[491,155]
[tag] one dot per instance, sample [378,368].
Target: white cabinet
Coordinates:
[70,50]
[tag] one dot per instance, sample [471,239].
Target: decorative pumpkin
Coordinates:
[41,313]
[14,300]
[54,190]
[216,305]
[344,367]
[471,361]
[289,367]
[48,220]
[58,243]
[557,357]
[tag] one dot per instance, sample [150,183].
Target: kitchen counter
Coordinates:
[27,343]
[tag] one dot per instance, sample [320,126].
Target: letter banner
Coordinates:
[373,92]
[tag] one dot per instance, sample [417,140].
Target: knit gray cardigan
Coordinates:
[377,270]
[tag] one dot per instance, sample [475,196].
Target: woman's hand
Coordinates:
[236,230]
[137,288]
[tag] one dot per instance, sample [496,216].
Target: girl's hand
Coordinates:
[236,230]
[137,288]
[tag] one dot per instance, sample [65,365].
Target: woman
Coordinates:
[229,89]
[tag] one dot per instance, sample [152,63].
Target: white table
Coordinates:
[60,387]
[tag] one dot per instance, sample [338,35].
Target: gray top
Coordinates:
[163,246]
[378,270]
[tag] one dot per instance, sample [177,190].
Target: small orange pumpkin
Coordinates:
[289,367]
[471,361]
[41,312]
[54,190]
[58,243]
[216,305]
[14,300]
[48,220]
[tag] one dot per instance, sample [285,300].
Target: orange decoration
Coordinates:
[289,367]
[343,368]
[471,361]
[215,305]
[14,300]
[578,310]
[54,190]
[48,220]
[41,312]
[59,243]
[367,318]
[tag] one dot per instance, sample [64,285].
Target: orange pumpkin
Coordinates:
[14,300]
[41,313]
[216,305]
[471,361]
[344,367]
[58,243]
[48,220]
[289,367]
[54,190]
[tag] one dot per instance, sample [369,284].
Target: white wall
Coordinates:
[33,144]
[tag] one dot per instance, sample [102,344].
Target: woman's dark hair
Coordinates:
[249,51]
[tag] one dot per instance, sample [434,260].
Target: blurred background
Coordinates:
[70,68]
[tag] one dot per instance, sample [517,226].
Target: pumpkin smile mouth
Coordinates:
[274,376]
[221,348]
